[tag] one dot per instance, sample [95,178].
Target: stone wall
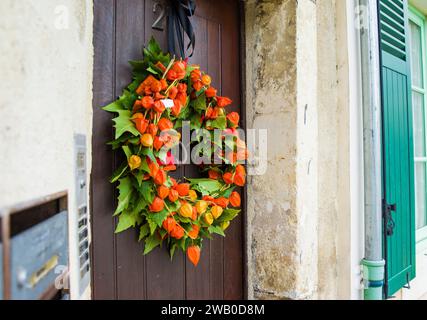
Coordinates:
[293,65]
[46,60]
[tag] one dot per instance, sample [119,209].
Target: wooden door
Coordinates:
[119,270]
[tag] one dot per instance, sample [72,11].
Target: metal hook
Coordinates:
[408,285]
[158,23]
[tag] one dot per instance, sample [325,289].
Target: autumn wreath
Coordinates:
[166,92]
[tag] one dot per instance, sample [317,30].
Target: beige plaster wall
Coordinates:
[328,146]
[307,146]
[46,59]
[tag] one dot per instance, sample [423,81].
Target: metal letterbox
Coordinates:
[38,256]
[34,249]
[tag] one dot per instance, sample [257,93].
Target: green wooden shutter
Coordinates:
[398,171]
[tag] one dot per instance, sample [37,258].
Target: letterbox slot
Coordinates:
[23,220]
[82,223]
[82,211]
[83,246]
[84,270]
[84,258]
[36,250]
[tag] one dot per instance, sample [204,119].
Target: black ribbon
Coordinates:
[179,24]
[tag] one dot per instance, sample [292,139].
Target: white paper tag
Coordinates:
[168,103]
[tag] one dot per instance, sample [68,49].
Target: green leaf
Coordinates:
[199,180]
[173,206]
[151,70]
[162,233]
[151,242]
[185,113]
[181,243]
[133,85]
[125,193]
[189,69]
[124,124]
[117,143]
[217,230]
[183,219]
[127,99]
[127,151]
[168,182]
[134,140]
[196,122]
[151,224]
[220,123]
[119,172]
[228,192]
[200,92]
[146,189]
[127,220]
[144,165]
[138,66]
[153,47]
[201,190]
[209,185]
[148,56]
[162,155]
[113,107]
[149,152]
[154,53]
[200,102]
[139,176]
[140,76]
[144,231]
[158,217]
[230,144]
[172,250]
[228,215]
[204,233]
[141,204]
[178,124]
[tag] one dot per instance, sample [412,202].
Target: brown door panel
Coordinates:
[119,269]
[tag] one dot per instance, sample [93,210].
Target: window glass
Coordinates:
[416,57]
[420,180]
[419,128]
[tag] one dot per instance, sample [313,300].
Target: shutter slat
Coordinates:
[396,16]
[393,50]
[398,43]
[390,30]
[392,27]
[396,5]
[397,25]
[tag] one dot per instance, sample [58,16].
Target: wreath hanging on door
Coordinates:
[165,93]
